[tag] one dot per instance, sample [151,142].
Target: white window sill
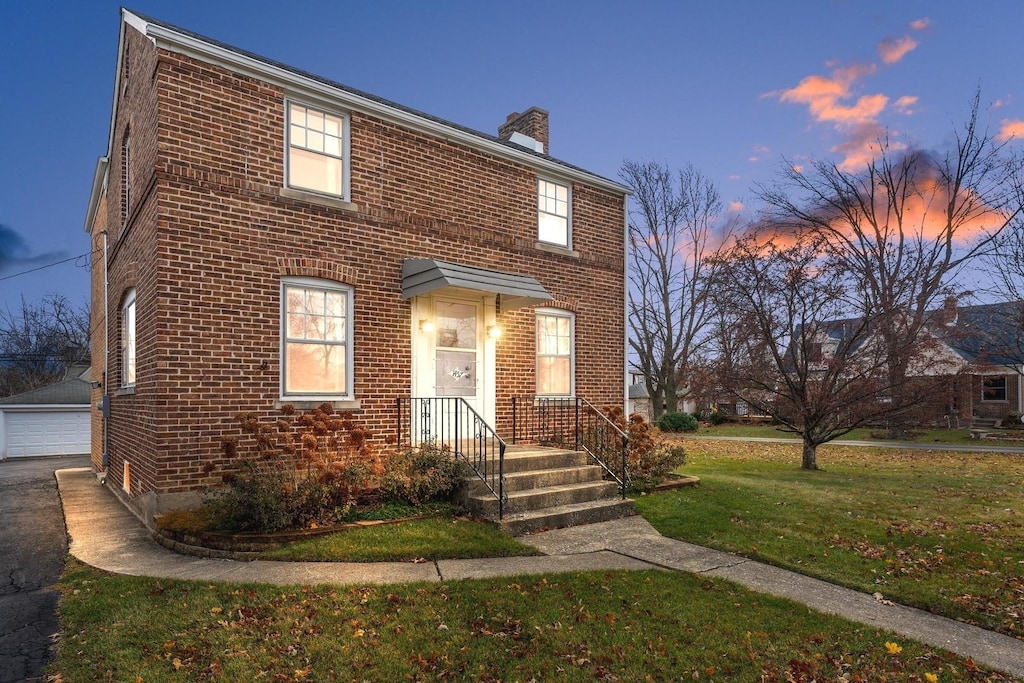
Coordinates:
[555,249]
[309,404]
[125,391]
[314,198]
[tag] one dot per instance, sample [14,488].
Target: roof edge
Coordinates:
[179,40]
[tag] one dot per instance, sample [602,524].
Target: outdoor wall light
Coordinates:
[494,332]
[426,326]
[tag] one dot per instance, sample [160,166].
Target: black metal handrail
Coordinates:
[572,422]
[451,422]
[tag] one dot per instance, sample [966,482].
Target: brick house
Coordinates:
[272,237]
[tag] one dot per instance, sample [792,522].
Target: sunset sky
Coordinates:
[735,88]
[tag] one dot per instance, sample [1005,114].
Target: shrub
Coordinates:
[257,498]
[655,465]
[717,417]
[418,475]
[649,459]
[677,422]
[298,470]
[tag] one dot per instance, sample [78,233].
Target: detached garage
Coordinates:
[51,420]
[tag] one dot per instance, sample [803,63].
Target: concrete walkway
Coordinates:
[104,534]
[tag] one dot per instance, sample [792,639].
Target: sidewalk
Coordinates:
[104,534]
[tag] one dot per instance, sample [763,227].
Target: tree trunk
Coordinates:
[810,460]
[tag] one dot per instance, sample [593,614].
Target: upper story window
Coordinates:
[316,144]
[993,389]
[316,344]
[128,340]
[553,201]
[555,352]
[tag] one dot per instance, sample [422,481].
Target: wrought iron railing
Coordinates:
[451,422]
[572,422]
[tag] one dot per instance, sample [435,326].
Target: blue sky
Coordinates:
[731,87]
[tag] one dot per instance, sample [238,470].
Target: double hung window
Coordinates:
[128,340]
[553,202]
[316,146]
[555,353]
[317,339]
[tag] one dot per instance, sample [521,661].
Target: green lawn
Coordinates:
[434,538]
[605,626]
[863,434]
[941,531]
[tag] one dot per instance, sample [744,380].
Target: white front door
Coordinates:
[453,355]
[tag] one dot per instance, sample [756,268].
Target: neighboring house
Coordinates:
[50,420]
[271,237]
[639,401]
[978,349]
[990,340]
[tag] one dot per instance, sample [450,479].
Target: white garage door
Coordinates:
[47,433]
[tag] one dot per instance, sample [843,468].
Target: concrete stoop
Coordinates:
[550,488]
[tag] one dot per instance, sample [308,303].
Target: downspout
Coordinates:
[625,306]
[106,357]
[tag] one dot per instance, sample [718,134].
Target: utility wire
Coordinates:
[49,265]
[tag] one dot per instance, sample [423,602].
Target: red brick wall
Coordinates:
[208,248]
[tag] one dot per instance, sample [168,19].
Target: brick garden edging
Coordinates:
[247,547]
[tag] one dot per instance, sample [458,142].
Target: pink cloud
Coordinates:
[823,96]
[1011,128]
[905,104]
[735,206]
[892,50]
[921,24]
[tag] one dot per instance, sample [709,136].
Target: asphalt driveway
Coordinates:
[33,544]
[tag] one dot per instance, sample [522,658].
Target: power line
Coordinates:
[49,265]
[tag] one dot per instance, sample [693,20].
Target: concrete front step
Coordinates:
[523,459]
[574,514]
[541,478]
[549,496]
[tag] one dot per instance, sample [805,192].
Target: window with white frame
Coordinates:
[555,353]
[316,143]
[128,339]
[553,201]
[993,389]
[316,339]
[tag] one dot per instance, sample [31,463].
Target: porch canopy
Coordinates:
[423,275]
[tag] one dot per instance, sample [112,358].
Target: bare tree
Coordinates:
[1006,263]
[904,227]
[38,342]
[796,354]
[675,227]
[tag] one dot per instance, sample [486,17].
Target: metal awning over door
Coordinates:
[425,275]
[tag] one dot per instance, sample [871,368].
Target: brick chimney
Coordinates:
[532,123]
[949,312]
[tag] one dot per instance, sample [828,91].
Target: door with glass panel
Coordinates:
[450,359]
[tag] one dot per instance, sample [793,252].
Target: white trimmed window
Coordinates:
[316,145]
[556,361]
[316,339]
[128,340]
[993,389]
[553,201]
